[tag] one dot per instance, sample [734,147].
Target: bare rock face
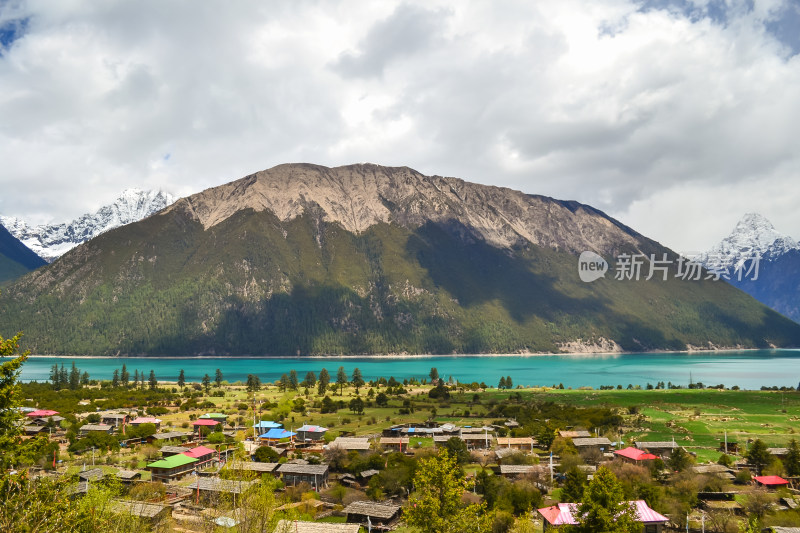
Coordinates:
[359,196]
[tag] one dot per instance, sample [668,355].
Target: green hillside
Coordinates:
[256,285]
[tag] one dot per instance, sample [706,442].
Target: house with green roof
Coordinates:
[172,467]
[219,417]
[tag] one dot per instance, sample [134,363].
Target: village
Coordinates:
[197,456]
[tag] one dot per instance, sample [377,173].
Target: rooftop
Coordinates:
[298,526]
[384,511]
[317,470]
[173,461]
[350,443]
[562,513]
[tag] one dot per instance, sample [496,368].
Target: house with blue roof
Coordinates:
[274,435]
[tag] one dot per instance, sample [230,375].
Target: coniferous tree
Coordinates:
[218,378]
[604,507]
[115,378]
[434,374]
[74,377]
[283,383]
[758,455]
[509,383]
[253,383]
[55,377]
[153,382]
[135,378]
[502,384]
[206,382]
[293,381]
[792,462]
[357,379]
[63,377]
[341,379]
[181,379]
[124,376]
[310,380]
[85,379]
[324,380]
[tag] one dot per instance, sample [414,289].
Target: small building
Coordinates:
[202,454]
[219,417]
[172,467]
[299,526]
[259,468]
[517,471]
[397,444]
[729,447]
[41,413]
[152,512]
[43,421]
[634,455]
[311,433]
[779,453]
[275,435]
[771,482]
[662,449]
[167,451]
[294,474]
[94,474]
[178,436]
[721,471]
[208,486]
[128,476]
[209,423]
[103,428]
[265,425]
[32,429]
[372,513]
[601,444]
[139,420]
[478,441]
[563,514]
[516,443]
[574,434]
[357,444]
[114,419]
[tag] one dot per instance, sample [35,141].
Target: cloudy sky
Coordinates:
[675,116]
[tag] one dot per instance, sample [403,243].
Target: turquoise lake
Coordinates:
[747,369]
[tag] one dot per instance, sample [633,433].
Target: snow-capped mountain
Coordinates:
[774,279]
[50,241]
[753,236]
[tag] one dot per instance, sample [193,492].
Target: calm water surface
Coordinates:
[747,369]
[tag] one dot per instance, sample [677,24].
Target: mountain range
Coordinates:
[363,259]
[50,241]
[774,279]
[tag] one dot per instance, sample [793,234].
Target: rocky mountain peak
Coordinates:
[359,196]
[753,236]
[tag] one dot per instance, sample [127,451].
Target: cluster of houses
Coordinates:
[182,455]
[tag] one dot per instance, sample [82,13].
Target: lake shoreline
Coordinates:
[421,356]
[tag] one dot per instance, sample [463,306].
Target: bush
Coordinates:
[265,454]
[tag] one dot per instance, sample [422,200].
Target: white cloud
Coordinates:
[642,112]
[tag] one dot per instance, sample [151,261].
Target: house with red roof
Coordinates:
[564,514]
[634,455]
[771,482]
[202,454]
[41,413]
[208,423]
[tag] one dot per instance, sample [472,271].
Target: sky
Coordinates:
[675,116]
